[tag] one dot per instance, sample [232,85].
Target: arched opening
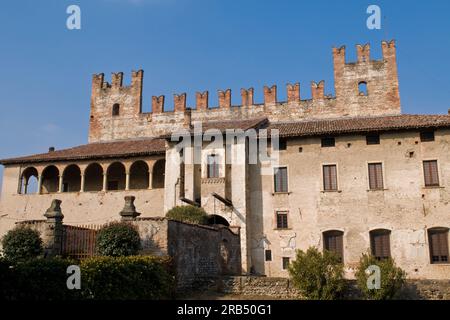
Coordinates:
[50,180]
[362,88]
[116,177]
[380,243]
[217,220]
[333,241]
[116,110]
[29,181]
[72,179]
[93,177]
[139,175]
[159,171]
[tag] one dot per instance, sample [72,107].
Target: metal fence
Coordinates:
[79,241]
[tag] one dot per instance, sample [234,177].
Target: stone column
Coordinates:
[150,179]
[53,236]
[60,184]
[127,181]
[39,186]
[25,186]
[105,181]
[82,183]
[129,212]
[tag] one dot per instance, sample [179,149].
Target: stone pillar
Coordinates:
[82,183]
[127,181]
[39,186]
[129,212]
[25,188]
[60,184]
[105,181]
[150,179]
[53,236]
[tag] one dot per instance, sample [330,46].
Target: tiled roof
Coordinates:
[360,124]
[302,128]
[116,149]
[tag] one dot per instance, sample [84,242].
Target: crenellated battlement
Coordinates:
[377,77]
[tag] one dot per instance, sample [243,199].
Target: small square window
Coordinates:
[268,255]
[328,142]
[282,144]
[282,220]
[286,262]
[373,139]
[427,136]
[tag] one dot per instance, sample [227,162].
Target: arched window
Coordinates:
[72,179]
[438,243]
[333,241]
[93,177]
[116,110]
[362,88]
[139,175]
[158,173]
[50,180]
[29,181]
[116,177]
[380,244]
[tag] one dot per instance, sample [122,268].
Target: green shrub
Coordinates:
[318,276]
[21,244]
[36,279]
[126,278]
[392,278]
[190,214]
[118,239]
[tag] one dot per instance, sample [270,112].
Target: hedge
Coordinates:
[118,239]
[102,278]
[21,244]
[188,214]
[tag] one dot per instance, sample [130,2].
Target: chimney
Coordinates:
[51,149]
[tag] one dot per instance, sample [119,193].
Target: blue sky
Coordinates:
[196,45]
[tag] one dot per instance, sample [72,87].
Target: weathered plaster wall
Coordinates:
[405,206]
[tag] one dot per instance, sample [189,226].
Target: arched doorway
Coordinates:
[217,220]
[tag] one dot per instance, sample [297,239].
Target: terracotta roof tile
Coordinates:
[116,149]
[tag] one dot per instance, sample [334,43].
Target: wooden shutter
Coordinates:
[430,172]
[438,240]
[281,179]
[380,244]
[334,242]
[282,220]
[213,166]
[376,176]
[329,178]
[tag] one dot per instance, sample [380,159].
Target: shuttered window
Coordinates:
[427,136]
[430,172]
[282,219]
[328,142]
[330,178]
[380,244]
[334,241]
[213,166]
[438,241]
[281,179]
[373,139]
[268,255]
[376,176]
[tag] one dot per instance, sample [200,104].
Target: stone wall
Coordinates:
[282,288]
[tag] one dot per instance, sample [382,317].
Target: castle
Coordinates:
[353,174]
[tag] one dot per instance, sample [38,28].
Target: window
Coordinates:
[376,176]
[427,136]
[438,242]
[282,219]
[380,244]
[281,179]
[362,88]
[282,144]
[430,172]
[373,139]
[333,242]
[268,255]
[213,166]
[116,110]
[286,262]
[328,142]
[330,178]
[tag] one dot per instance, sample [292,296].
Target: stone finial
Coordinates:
[54,212]
[129,210]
